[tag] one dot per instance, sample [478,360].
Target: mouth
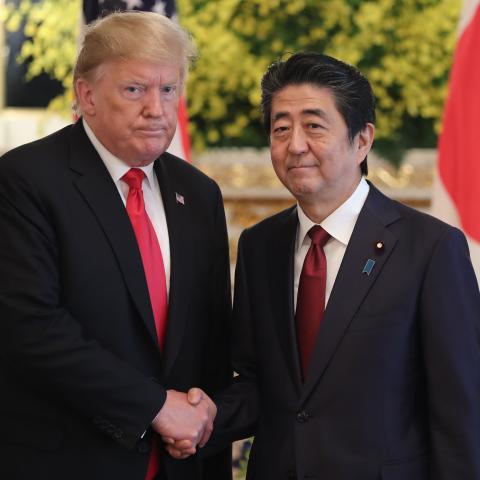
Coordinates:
[300,168]
[151,131]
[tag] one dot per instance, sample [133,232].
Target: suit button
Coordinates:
[302,416]
[143,446]
[117,434]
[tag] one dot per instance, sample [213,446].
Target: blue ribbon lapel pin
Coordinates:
[368,266]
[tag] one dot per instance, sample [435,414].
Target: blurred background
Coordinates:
[405,47]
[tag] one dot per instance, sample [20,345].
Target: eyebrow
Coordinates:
[136,81]
[318,112]
[148,81]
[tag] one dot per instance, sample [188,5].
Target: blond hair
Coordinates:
[134,35]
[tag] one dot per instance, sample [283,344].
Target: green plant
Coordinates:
[403,46]
[52,28]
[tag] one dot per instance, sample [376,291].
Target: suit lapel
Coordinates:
[280,258]
[351,285]
[99,191]
[181,256]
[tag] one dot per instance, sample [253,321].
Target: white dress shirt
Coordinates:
[151,194]
[339,224]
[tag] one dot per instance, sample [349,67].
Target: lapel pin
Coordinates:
[379,247]
[368,266]
[179,198]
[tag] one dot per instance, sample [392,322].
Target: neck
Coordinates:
[317,213]
[318,209]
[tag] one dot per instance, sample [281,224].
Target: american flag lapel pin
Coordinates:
[179,198]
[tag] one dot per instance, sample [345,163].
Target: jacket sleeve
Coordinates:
[238,405]
[217,370]
[450,328]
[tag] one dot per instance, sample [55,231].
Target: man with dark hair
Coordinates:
[352,92]
[356,319]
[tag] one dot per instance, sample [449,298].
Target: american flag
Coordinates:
[93,9]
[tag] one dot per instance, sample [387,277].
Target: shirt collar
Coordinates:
[116,167]
[341,222]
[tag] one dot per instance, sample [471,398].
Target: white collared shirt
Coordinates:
[339,224]
[151,194]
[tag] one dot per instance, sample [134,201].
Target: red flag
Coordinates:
[180,145]
[456,196]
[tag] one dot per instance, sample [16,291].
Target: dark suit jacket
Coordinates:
[81,375]
[393,390]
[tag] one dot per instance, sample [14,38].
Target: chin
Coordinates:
[142,159]
[301,189]
[151,153]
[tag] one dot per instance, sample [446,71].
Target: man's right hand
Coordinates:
[180,448]
[187,419]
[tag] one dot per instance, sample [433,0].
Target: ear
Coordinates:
[364,141]
[84,93]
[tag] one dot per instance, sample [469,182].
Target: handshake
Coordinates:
[185,421]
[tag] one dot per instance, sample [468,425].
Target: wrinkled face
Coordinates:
[131,106]
[309,145]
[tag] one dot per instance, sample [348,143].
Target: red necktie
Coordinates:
[154,272]
[311,295]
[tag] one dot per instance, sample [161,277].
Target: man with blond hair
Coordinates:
[114,276]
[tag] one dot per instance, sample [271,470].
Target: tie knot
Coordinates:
[318,235]
[133,178]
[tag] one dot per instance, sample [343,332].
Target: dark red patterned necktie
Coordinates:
[311,295]
[154,273]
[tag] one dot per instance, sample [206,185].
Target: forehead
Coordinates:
[137,69]
[305,96]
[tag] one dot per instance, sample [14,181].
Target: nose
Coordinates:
[298,142]
[153,106]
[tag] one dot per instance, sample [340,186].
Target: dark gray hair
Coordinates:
[353,93]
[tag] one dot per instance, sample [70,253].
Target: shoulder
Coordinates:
[422,238]
[32,168]
[281,223]
[36,155]
[429,230]
[184,172]
[405,220]
[44,145]
[32,176]
[199,192]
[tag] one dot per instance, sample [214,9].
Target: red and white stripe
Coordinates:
[456,192]
[180,145]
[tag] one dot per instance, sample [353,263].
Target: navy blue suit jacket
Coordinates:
[393,388]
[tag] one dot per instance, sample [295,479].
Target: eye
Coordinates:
[280,129]
[133,91]
[315,128]
[169,91]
